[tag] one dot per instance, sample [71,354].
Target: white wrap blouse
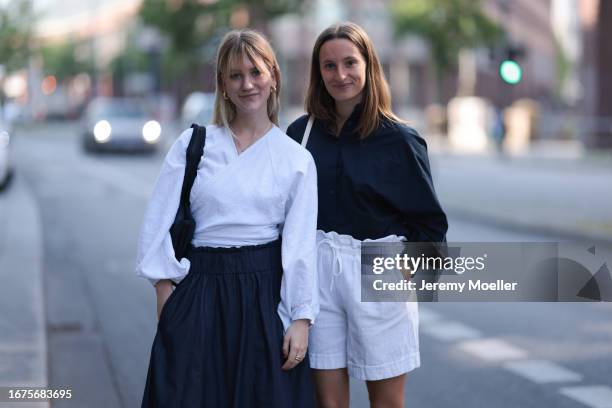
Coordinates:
[240,199]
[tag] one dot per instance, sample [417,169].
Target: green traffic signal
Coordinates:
[511,72]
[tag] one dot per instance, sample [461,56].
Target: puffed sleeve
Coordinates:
[423,215]
[299,288]
[415,197]
[155,259]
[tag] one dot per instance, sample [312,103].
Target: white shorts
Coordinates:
[374,340]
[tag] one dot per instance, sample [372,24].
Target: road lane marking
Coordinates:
[594,396]
[542,371]
[496,350]
[450,331]
[493,349]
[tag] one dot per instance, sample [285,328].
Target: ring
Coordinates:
[298,358]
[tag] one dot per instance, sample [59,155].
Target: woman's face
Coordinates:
[247,86]
[343,70]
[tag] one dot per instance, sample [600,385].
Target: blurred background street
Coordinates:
[513,98]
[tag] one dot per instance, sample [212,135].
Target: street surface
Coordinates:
[100,318]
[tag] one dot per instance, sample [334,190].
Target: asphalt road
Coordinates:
[101,317]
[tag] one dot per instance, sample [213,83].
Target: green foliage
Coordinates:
[448,26]
[563,67]
[59,60]
[131,59]
[177,23]
[188,23]
[191,25]
[16,22]
[134,60]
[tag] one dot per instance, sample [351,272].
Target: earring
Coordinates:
[225,96]
[273,89]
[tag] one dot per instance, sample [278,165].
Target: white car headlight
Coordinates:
[4,139]
[151,131]
[102,131]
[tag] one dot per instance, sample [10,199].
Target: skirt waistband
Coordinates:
[236,260]
[246,248]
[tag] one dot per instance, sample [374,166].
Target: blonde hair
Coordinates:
[376,101]
[253,45]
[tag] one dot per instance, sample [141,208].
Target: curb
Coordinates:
[523,226]
[23,341]
[545,206]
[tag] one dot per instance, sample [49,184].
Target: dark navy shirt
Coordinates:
[374,187]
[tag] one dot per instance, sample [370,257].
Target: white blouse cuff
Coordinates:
[303,311]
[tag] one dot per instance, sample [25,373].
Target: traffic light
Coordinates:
[510,69]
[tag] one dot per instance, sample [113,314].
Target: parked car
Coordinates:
[119,124]
[6,168]
[198,108]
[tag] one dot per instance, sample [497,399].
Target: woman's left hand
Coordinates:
[295,343]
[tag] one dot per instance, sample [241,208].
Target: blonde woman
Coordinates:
[234,332]
[374,184]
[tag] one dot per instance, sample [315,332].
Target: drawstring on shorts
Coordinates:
[335,251]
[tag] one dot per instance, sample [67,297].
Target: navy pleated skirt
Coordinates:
[219,337]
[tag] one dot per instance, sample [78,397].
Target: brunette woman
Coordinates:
[374,184]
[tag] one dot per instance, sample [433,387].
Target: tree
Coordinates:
[192,25]
[448,26]
[59,60]
[16,22]
[190,22]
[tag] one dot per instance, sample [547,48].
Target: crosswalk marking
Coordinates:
[450,331]
[594,396]
[542,371]
[493,349]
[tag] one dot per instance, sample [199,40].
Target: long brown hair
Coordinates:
[376,100]
[237,44]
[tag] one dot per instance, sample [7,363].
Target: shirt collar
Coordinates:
[356,111]
[353,119]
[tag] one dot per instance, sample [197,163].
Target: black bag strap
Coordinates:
[193,154]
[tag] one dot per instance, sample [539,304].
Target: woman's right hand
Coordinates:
[163,289]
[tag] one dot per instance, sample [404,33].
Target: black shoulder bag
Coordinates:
[183,227]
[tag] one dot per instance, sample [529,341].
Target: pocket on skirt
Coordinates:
[182,284]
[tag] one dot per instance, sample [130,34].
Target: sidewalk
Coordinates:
[555,187]
[23,347]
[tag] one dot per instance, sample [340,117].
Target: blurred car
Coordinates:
[6,169]
[198,108]
[119,124]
